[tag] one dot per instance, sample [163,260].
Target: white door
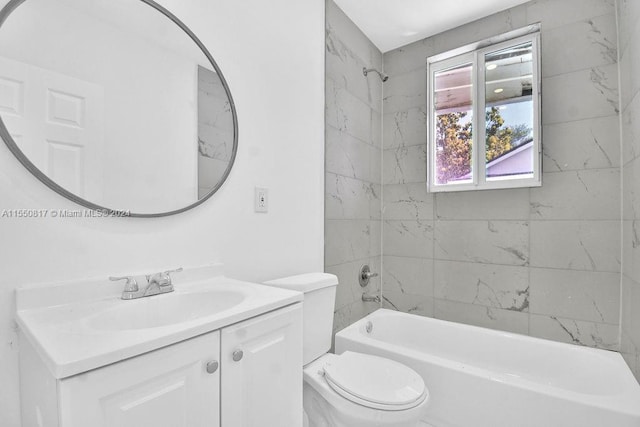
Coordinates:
[262,370]
[57,121]
[177,386]
[13,76]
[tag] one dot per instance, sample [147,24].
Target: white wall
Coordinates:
[272,55]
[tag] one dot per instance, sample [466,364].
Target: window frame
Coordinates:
[475,54]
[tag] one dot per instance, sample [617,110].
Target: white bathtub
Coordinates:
[478,377]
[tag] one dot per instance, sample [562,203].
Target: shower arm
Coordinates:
[382,76]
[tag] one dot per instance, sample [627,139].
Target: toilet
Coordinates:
[350,389]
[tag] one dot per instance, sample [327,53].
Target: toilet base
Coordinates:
[321,414]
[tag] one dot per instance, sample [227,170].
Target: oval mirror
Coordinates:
[114,104]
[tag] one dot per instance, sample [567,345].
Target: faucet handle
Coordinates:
[365,275]
[130,286]
[167,275]
[163,278]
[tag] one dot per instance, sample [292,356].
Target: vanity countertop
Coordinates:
[88,330]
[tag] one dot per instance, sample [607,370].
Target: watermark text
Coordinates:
[63,213]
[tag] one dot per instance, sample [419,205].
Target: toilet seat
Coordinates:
[375,382]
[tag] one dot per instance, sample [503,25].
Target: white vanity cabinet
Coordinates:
[247,374]
[169,387]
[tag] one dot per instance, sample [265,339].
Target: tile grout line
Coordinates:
[622,166]
[382,209]
[528,267]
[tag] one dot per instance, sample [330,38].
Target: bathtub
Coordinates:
[479,377]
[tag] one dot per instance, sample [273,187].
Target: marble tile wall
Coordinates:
[215,131]
[542,261]
[629,40]
[353,136]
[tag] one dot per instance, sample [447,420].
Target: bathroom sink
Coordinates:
[83,325]
[164,310]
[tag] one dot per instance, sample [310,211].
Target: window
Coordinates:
[491,94]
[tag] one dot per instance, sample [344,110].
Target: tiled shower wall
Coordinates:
[541,261]
[352,173]
[544,261]
[629,39]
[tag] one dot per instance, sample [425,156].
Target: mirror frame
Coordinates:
[6,11]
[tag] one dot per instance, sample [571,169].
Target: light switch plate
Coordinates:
[261,200]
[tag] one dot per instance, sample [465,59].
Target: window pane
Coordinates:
[453,104]
[509,113]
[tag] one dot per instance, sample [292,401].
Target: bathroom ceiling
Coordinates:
[393,23]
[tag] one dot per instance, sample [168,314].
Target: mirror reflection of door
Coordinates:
[57,121]
[115,103]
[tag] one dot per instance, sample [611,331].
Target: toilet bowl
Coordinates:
[350,389]
[359,390]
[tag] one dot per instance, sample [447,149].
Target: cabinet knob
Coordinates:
[237,355]
[212,366]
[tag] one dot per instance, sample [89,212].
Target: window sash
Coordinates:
[478,157]
[468,58]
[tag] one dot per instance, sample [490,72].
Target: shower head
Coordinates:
[383,76]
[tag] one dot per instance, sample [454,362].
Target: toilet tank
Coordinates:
[317,311]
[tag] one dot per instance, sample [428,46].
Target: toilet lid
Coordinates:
[375,381]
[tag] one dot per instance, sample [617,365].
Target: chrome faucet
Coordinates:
[157,283]
[364,276]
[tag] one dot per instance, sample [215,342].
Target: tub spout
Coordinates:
[370,298]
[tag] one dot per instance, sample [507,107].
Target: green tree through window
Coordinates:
[498,137]
[453,145]
[454,142]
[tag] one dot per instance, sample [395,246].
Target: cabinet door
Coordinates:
[169,387]
[262,371]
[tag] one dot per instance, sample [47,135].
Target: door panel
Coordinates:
[11,96]
[65,109]
[264,386]
[169,387]
[13,88]
[66,165]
